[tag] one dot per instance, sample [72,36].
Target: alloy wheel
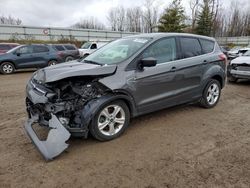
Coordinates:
[111,120]
[7,68]
[213,94]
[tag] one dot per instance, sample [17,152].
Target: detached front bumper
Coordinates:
[57,136]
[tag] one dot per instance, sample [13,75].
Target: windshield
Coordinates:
[247,53]
[86,45]
[117,51]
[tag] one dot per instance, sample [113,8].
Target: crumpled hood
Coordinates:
[72,69]
[241,60]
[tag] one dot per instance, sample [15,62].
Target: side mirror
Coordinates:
[17,53]
[147,62]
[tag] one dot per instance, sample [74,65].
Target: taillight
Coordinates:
[60,54]
[223,58]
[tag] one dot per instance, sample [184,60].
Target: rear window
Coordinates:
[69,47]
[59,47]
[4,47]
[190,47]
[40,49]
[207,46]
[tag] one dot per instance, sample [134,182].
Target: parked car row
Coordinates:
[36,56]
[4,47]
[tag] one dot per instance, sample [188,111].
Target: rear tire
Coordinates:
[7,68]
[110,121]
[69,58]
[211,94]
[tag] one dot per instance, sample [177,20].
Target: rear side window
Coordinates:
[190,47]
[59,47]
[40,49]
[207,46]
[69,47]
[4,47]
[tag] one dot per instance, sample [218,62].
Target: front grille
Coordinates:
[243,68]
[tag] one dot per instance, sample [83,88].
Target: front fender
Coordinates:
[93,106]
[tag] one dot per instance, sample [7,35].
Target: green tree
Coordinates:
[205,20]
[173,18]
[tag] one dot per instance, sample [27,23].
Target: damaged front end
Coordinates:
[55,143]
[239,70]
[60,106]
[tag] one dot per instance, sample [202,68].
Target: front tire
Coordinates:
[211,94]
[110,121]
[7,68]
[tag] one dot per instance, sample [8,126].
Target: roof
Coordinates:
[160,35]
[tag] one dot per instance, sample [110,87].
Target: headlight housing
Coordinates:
[39,76]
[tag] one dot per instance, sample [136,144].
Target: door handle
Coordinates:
[205,62]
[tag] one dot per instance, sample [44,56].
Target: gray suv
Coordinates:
[124,79]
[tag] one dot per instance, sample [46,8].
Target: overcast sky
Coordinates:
[64,13]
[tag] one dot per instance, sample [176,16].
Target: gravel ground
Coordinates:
[179,147]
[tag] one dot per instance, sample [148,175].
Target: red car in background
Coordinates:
[4,47]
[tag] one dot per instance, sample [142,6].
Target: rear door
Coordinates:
[40,56]
[190,68]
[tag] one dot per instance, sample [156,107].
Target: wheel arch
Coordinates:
[93,106]
[52,59]
[214,72]
[8,61]
[219,79]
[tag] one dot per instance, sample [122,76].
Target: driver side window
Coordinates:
[24,50]
[163,50]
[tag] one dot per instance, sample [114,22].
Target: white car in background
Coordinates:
[239,68]
[89,47]
[236,52]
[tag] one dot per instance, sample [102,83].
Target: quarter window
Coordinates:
[59,48]
[190,47]
[40,49]
[163,50]
[69,47]
[207,45]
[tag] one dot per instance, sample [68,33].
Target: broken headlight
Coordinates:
[39,76]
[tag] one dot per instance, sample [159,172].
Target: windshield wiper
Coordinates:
[91,62]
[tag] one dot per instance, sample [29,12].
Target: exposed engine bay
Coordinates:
[66,99]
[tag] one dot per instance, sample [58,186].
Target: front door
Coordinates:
[155,87]
[24,57]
